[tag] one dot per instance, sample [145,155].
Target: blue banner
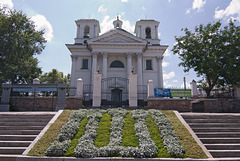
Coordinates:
[160,92]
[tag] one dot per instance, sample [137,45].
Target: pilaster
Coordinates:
[129,62]
[139,68]
[160,73]
[104,64]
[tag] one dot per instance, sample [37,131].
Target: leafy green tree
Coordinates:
[19,42]
[212,52]
[55,77]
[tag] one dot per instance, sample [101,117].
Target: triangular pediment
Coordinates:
[116,36]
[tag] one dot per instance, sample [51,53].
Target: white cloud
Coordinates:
[143,8]
[197,4]
[102,9]
[175,81]
[167,84]
[169,75]
[231,10]
[107,24]
[6,3]
[188,11]
[167,53]
[188,86]
[124,0]
[165,64]
[42,23]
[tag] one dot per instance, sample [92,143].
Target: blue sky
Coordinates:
[58,17]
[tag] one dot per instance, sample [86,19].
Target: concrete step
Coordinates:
[25,119]
[212,120]
[193,125]
[225,153]
[8,157]
[210,116]
[19,132]
[216,129]
[17,137]
[22,127]
[23,123]
[222,146]
[220,140]
[218,134]
[15,143]
[12,150]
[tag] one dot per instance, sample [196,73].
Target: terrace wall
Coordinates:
[195,105]
[42,103]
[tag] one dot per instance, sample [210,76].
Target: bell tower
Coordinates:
[86,29]
[117,23]
[147,29]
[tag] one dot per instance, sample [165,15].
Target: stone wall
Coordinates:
[195,105]
[42,103]
[180,105]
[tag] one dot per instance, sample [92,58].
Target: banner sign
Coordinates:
[165,92]
[162,92]
[181,93]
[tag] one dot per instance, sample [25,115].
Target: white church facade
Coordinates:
[116,54]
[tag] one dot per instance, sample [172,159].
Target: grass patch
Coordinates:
[156,137]
[50,135]
[104,130]
[192,149]
[74,141]
[128,133]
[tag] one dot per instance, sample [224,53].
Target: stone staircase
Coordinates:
[19,129]
[220,133]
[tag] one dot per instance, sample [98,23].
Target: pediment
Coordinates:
[116,36]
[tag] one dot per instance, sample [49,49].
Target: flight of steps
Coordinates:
[19,129]
[220,133]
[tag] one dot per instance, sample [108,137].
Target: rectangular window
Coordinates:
[149,65]
[85,64]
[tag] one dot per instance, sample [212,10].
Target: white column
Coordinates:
[94,62]
[78,31]
[160,73]
[194,88]
[79,92]
[73,76]
[150,86]
[129,63]
[104,64]
[237,93]
[139,68]
[132,90]
[156,32]
[97,84]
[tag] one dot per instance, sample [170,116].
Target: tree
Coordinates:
[55,77]
[212,52]
[19,42]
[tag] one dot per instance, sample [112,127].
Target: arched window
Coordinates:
[116,64]
[148,33]
[86,32]
[117,25]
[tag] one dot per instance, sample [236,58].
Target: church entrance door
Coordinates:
[116,95]
[114,92]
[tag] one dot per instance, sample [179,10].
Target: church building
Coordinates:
[116,54]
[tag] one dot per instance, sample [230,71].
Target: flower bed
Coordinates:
[86,148]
